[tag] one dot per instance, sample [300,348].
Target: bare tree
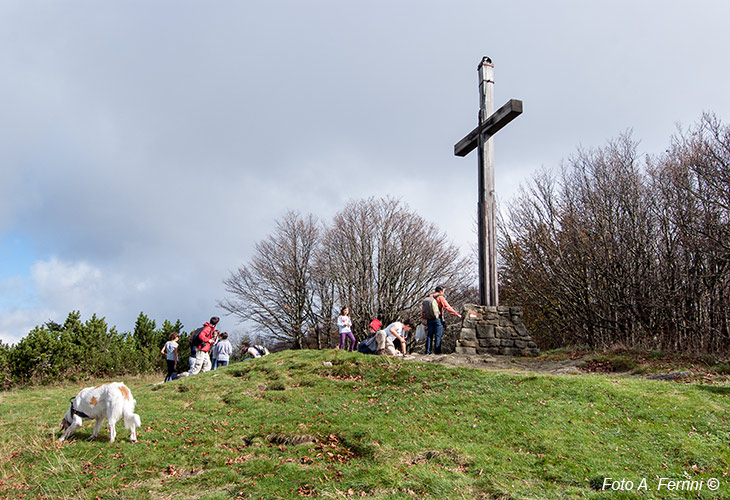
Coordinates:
[580,248]
[692,186]
[322,308]
[383,259]
[274,291]
[613,252]
[376,257]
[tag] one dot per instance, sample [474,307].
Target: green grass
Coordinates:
[332,424]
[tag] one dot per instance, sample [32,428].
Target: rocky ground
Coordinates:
[508,363]
[674,369]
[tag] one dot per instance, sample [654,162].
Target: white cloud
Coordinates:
[15,324]
[61,286]
[56,280]
[55,288]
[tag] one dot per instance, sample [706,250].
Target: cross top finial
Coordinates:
[485,61]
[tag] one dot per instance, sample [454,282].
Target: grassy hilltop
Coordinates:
[331,424]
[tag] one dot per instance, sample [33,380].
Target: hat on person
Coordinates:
[375,324]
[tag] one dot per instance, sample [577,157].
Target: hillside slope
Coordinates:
[331,424]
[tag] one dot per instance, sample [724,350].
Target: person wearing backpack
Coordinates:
[191,357]
[255,351]
[202,343]
[432,314]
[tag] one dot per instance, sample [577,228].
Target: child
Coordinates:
[170,349]
[345,325]
[369,346]
[223,349]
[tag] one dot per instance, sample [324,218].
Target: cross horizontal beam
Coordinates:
[490,126]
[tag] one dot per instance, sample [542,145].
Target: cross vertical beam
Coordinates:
[488,290]
[481,139]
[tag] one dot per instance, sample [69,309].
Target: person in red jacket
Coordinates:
[202,343]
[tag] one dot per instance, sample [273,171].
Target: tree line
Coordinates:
[78,350]
[618,250]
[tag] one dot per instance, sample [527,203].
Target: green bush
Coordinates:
[76,350]
[35,359]
[5,376]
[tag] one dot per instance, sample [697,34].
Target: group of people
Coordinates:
[383,341]
[209,349]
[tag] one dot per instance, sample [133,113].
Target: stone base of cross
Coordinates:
[481,139]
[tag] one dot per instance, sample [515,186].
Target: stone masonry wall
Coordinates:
[493,330]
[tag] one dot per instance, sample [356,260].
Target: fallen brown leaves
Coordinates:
[332,450]
[238,460]
[346,378]
[306,491]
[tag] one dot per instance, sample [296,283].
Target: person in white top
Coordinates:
[223,350]
[344,323]
[170,351]
[385,337]
[255,351]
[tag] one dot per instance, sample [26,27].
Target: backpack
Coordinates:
[261,349]
[195,338]
[430,308]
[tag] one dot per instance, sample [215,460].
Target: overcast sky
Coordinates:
[146,146]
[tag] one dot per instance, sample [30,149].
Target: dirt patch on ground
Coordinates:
[504,363]
[580,362]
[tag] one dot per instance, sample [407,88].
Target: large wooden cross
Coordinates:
[481,139]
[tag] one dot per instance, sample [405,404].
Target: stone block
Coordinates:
[465,350]
[468,334]
[472,308]
[485,331]
[467,343]
[488,350]
[517,319]
[520,344]
[489,342]
[521,330]
[507,343]
[503,332]
[469,322]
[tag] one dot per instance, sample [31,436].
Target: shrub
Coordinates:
[5,377]
[77,350]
